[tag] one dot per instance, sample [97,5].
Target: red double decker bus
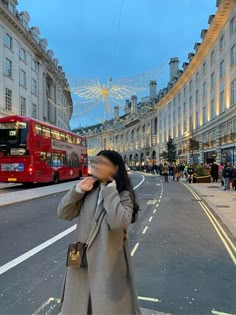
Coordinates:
[35,152]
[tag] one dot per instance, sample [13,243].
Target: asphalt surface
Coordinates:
[181,265]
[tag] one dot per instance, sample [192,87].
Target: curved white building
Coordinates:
[198,106]
[30,76]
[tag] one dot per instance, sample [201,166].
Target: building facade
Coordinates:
[32,83]
[198,106]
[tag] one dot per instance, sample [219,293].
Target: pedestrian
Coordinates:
[190,174]
[166,172]
[221,166]
[104,205]
[186,172]
[215,172]
[233,176]
[226,176]
[174,170]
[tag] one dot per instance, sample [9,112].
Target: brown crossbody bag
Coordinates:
[76,254]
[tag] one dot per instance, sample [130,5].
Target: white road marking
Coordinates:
[157,205]
[151,202]
[150,219]
[155,210]
[143,298]
[134,249]
[145,229]
[35,250]
[11,264]
[158,184]
[220,313]
[159,200]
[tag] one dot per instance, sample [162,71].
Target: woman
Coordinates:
[106,285]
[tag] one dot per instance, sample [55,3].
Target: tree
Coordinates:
[171,150]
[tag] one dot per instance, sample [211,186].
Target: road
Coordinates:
[181,265]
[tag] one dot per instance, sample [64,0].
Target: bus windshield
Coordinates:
[13,136]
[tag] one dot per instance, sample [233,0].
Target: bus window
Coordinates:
[43,156]
[55,134]
[49,159]
[56,160]
[46,132]
[78,140]
[38,129]
[62,136]
[63,160]
[69,138]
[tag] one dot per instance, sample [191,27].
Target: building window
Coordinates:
[8,41]
[222,101]
[212,109]
[233,55]
[197,97]
[233,93]
[212,57]
[11,8]
[8,67]
[204,68]
[34,87]
[34,110]
[190,104]
[222,42]
[185,91]
[197,77]
[34,65]
[204,115]
[222,69]
[23,54]
[190,85]
[212,80]
[204,89]
[232,25]
[8,99]
[23,78]
[23,106]
[179,97]
[197,120]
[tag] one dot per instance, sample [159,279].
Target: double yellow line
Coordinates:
[228,243]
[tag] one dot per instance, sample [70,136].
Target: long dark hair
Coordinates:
[122,179]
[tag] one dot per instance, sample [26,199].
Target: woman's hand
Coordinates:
[86,184]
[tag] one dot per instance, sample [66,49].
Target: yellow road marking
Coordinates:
[42,307]
[230,247]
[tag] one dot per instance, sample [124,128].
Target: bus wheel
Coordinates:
[56,178]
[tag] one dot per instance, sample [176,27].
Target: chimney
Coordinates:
[152,89]
[127,107]
[133,103]
[174,67]
[116,112]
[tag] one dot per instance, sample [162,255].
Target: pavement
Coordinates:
[222,202]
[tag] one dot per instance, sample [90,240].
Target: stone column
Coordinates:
[218,146]
[201,153]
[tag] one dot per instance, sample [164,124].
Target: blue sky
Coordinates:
[86,39]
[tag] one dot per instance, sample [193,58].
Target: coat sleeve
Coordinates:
[69,207]
[119,208]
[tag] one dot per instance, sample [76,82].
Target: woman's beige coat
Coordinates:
[109,277]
